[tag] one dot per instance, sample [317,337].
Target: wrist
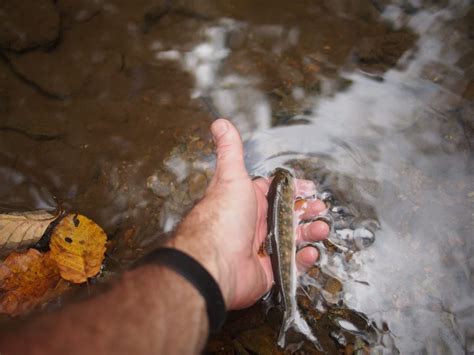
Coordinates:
[196,275]
[204,249]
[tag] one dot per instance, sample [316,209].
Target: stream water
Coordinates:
[105,107]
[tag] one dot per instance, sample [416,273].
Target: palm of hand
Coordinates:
[236,221]
[241,235]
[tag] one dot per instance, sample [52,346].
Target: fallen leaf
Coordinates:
[21,230]
[27,280]
[78,247]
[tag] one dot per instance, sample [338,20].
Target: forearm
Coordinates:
[151,310]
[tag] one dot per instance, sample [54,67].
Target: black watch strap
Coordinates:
[198,276]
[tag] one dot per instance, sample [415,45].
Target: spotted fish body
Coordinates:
[282,234]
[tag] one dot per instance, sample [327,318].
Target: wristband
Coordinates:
[198,276]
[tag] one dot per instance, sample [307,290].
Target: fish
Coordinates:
[281,246]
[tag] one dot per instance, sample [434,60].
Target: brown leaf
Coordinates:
[78,247]
[27,280]
[21,230]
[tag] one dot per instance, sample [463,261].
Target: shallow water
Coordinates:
[107,114]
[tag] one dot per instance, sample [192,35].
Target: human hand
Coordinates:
[227,227]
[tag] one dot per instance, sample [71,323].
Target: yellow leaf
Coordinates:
[19,230]
[78,247]
[27,280]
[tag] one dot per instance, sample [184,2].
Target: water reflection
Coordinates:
[403,281]
[372,102]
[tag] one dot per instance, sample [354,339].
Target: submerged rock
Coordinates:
[363,238]
[28,24]
[161,184]
[197,185]
[377,54]
[260,341]
[4,102]
[80,10]
[46,70]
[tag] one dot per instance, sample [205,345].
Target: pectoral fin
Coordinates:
[266,247]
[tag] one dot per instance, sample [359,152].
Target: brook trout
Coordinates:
[282,225]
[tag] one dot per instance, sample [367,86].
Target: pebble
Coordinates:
[363,238]
[197,185]
[161,184]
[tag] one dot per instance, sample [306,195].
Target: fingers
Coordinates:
[311,208]
[312,232]
[308,232]
[306,258]
[230,156]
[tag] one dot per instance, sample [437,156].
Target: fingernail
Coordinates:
[219,127]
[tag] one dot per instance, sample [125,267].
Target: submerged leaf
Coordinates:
[27,280]
[78,247]
[20,230]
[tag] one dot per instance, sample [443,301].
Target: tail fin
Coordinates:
[293,320]
[288,322]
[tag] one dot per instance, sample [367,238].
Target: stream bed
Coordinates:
[105,108]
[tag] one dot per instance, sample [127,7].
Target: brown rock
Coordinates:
[363,9]
[219,346]
[28,24]
[4,102]
[197,185]
[239,349]
[333,285]
[65,71]
[161,184]
[260,340]
[236,39]
[469,92]
[381,52]
[80,10]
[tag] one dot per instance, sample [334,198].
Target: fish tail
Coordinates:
[288,322]
[294,320]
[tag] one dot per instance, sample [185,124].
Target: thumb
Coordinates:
[230,152]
